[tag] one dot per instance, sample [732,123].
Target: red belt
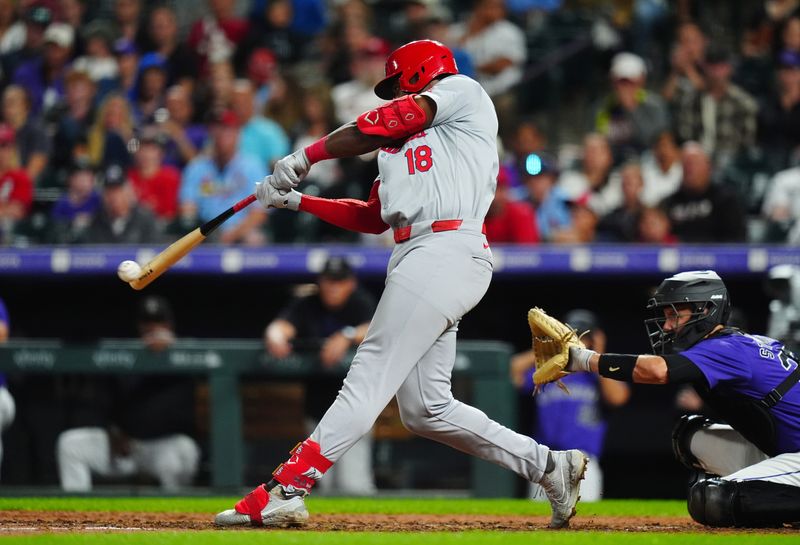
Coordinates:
[402,234]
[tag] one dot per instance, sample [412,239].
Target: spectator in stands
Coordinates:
[16,190]
[43,77]
[220,86]
[73,211]
[7,406]
[354,97]
[151,427]
[688,56]
[73,120]
[526,139]
[213,182]
[128,21]
[98,58]
[583,224]
[661,169]
[261,68]
[216,36]
[156,185]
[701,211]
[273,29]
[185,138]
[595,178]
[581,414]
[33,146]
[621,224]
[151,85]
[128,64]
[508,220]
[181,62]
[722,117]
[331,322]
[110,133]
[121,220]
[12,32]
[259,136]
[548,199]
[631,117]
[654,227]
[36,19]
[72,13]
[497,48]
[779,116]
[781,205]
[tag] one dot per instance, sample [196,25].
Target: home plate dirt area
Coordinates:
[25,522]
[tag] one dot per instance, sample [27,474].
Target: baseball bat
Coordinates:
[175,251]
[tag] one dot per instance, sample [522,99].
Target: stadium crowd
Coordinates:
[656,121]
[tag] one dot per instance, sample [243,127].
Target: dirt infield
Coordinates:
[26,522]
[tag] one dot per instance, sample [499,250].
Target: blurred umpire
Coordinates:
[748,381]
[147,428]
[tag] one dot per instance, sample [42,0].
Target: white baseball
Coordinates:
[128,271]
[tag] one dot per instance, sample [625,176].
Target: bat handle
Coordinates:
[211,225]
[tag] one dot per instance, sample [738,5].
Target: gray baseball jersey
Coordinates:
[447,171]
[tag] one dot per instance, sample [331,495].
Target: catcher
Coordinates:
[749,380]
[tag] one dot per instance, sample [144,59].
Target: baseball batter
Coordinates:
[438,167]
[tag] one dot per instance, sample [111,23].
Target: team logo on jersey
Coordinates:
[372,121]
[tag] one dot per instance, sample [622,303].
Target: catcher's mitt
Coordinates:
[551,341]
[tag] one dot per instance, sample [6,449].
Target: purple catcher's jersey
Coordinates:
[752,365]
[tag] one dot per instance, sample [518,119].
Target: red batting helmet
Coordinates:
[415,65]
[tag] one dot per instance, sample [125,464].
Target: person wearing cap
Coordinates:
[73,211]
[147,427]
[127,55]
[156,184]
[151,85]
[98,58]
[260,137]
[509,220]
[43,77]
[540,178]
[33,146]
[779,114]
[328,324]
[212,182]
[577,419]
[722,117]
[25,39]
[121,220]
[631,116]
[355,96]
[16,189]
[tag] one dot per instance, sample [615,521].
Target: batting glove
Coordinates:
[579,359]
[271,197]
[290,170]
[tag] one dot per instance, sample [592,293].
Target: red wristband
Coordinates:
[317,151]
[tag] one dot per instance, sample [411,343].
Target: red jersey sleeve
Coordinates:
[350,214]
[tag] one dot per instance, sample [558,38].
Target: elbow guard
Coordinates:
[396,119]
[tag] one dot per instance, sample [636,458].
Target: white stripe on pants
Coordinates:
[409,350]
[81,452]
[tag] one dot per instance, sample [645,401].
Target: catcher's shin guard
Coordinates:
[682,433]
[748,504]
[305,466]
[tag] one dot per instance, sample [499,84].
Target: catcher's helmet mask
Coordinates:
[707,298]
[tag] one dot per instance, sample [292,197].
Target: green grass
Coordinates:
[390,506]
[373,538]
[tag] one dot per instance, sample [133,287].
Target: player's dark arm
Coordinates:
[647,369]
[393,121]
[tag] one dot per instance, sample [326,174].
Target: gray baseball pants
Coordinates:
[409,351]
